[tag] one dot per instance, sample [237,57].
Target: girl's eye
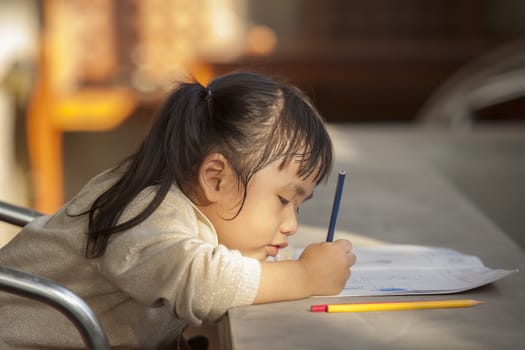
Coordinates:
[283,201]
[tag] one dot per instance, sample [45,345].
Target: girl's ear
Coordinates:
[214,176]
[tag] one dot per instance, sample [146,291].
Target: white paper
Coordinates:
[413,269]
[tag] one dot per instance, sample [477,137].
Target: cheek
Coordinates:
[261,202]
[262,220]
[260,214]
[253,228]
[227,234]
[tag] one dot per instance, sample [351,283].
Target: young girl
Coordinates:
[185,228]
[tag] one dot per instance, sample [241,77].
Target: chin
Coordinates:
[259,256]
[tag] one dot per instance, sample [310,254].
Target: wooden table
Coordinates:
[393,195]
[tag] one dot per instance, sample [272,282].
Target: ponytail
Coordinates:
[172,147]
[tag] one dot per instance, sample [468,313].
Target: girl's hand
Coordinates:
[322,269]
[327,266]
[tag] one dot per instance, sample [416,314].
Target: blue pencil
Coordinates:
[335,207]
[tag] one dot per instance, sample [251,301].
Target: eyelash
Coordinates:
[285,201]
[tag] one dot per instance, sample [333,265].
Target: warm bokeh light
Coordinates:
[225,32]
[261,40]
[171,40]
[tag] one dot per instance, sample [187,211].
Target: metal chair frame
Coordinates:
[49,292]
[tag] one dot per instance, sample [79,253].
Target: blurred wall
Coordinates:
[378,60]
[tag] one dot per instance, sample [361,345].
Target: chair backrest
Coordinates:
[62,299]
[16,215]
[49,292]
[495,77]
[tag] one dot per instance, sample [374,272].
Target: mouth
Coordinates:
[273,249]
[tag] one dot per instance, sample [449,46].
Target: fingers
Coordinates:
[346,246]
[352,258]
[328,265]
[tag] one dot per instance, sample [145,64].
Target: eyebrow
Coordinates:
[301,192]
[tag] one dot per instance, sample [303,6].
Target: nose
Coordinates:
[289,225]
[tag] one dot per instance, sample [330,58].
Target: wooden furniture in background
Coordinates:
[77,59]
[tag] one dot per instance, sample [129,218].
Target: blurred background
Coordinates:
[80,79]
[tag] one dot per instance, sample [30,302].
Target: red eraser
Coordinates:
[319,308]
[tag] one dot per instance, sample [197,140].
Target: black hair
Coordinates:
[249,118]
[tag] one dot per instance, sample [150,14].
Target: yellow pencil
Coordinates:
[395,305]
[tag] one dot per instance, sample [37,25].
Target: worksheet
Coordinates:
[414,269]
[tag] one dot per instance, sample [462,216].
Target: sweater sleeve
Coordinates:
[162,261]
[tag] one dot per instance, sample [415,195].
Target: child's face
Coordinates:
[269,214]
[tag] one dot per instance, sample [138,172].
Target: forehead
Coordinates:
[285,177]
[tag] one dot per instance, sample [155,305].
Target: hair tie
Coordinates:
[209,101]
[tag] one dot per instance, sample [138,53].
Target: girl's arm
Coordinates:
[322,269]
